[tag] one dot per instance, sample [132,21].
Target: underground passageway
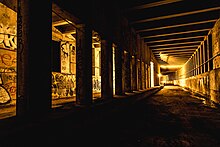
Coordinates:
[171,117]
[110,73]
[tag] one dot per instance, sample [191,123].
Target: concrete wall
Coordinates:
[208,83]
[216,44]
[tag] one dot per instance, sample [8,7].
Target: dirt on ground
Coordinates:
[173,117]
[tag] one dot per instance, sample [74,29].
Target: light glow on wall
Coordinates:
[64,80]
[96,64]
[170,66]
[151,74]
[113,66]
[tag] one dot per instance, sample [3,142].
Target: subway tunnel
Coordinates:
[116,73]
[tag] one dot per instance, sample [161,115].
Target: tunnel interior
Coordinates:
[154,43]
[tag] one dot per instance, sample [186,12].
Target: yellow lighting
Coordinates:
[152,74]
[159,75]
[170,66]
[164,57]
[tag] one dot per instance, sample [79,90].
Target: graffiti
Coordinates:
[72,53]
[8,46]
[67,56]
[96,83]
[65,49]
[8,75]
[8,40]
[63,85]
[8,80]
[8,71]
[7,59]
[4,95]
[8,28]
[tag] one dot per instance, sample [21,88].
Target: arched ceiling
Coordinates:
[172,28]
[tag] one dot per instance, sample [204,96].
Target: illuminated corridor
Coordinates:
[110,66]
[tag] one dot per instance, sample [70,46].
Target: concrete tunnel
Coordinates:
[54,53]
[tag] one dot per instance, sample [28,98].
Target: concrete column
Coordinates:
[210,51]
[145,75]
[34,40]
[119,86]
[134,73]
[205,55]
[106,70]
[198,62]
[200,59]
[84,65]
[141,75]
[144,68]
[127,63]
[194,65]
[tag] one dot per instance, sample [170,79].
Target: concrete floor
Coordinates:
[173,117]
[9,110]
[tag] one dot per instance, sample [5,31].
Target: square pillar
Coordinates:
[134,73]
[34,42]
[106,70]
[119,86]
[84,65]
[127,64]
[139,74]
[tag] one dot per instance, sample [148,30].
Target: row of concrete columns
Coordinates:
[201,61]
[34,62]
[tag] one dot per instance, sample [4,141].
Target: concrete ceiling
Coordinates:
[173,28]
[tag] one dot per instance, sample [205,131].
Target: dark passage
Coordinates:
[173,117]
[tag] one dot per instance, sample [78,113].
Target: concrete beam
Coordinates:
[176,15]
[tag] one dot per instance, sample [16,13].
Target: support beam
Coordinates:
[154,4]
[59,23]
[176,48]
[177,33]
[176,26]
[176,15]
[176,39]
[177,51]
[175,44]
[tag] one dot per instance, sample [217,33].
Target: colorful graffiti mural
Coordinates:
[8,46]
[63,85]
